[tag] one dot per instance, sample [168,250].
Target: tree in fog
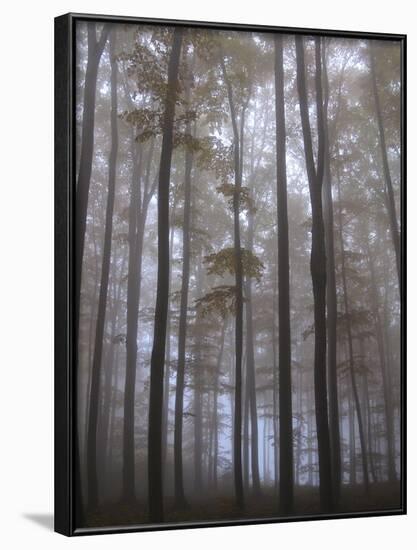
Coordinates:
[238,236]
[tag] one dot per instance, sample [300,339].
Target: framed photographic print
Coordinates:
[230,274]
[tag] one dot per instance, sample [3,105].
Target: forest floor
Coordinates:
[381,497]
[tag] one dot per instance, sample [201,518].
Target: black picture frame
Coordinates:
[65,348]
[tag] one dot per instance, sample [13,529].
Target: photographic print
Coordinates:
[236,258]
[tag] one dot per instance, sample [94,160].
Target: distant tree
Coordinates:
[390,201]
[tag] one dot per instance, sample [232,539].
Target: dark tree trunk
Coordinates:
[155,492]
[245,441]
[317,265]
[110,365]
[331,299]
[182,330]
[138,212]
[215,405]
[167,362]
[250,366]
[352,442]
[390,200]
[237,434]
[286,467]
[128,469]
[275,384]
[350,346]
[95,50]
[392,475]
[92,482]
[198,388]
[367,410]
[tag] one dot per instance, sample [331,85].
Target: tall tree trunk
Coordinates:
[386,387]
[138,212]
[350,344]
[105,413]
[317,265]
[237,435]
[250,365]
[92,482]
[128,470]
[286,474]
[390,200]
[367,411]
[110,447]
[95,50]
[352,442]
[275,383]
[155,492]
[198,383]
[331,296]
[246,480]
[182,330]
[168,362]
[299,425]
[215,405]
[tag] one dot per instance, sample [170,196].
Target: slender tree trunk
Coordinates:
[300,425]
[392,476]
[92,481]
[275,388]
[168,363]
[367,411]
[350,346]
[105,417]
[215,406]
[250,365]
[246,480]
[110,447]
[331,296]
[310,440]
[95,50]
[138,212]
[352,443]
[198,383]
[318,267]
[390,200]
[182,331]
[286,459]
[237,436]
[161,308]
[128,452]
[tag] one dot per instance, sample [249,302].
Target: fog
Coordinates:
[238,267]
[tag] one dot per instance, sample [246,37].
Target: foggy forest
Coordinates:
[237,274]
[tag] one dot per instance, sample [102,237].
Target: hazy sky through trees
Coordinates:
[206,129]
